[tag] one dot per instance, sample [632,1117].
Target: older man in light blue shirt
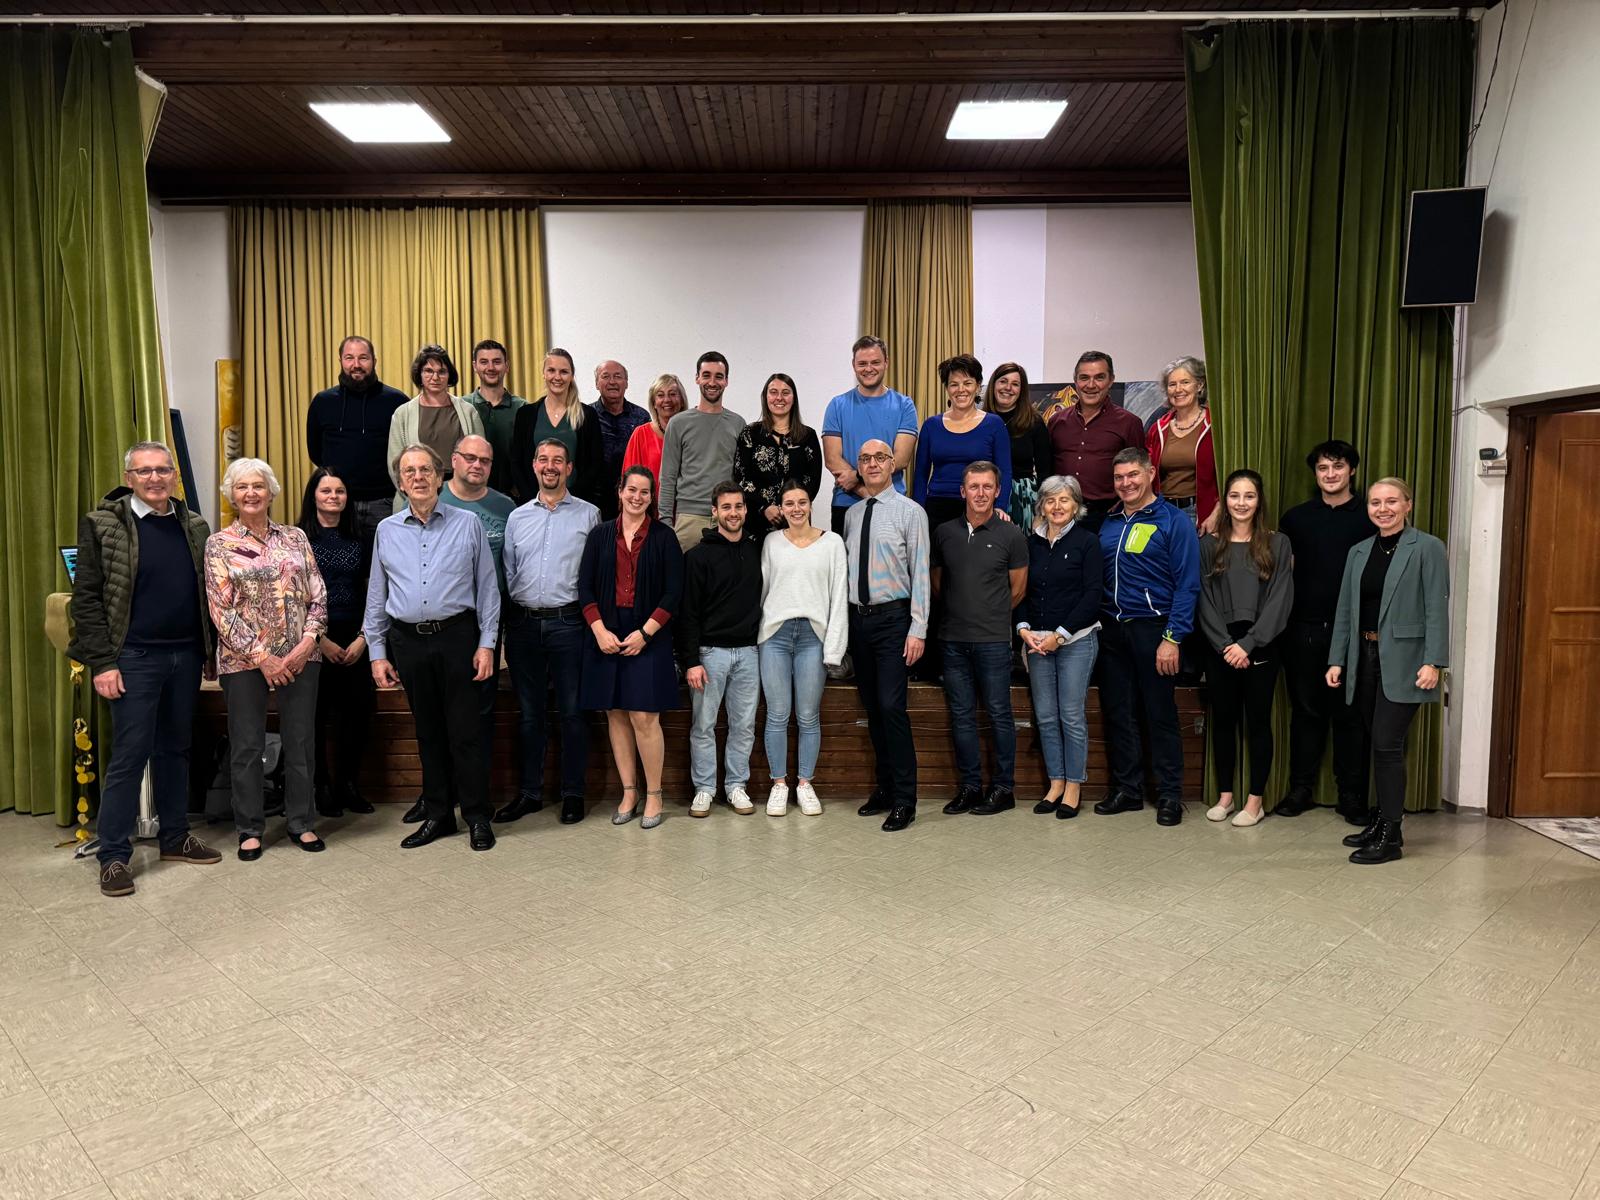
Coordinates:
[433,613]
[545,629]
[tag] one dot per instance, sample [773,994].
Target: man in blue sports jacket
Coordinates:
[1152,563]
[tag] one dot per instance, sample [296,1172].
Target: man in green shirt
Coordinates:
[497,408]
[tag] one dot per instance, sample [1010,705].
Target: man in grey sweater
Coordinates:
[698,452]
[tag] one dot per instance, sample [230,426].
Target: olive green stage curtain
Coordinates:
[916,290]
[1305,141]
[78,338]
[308,275]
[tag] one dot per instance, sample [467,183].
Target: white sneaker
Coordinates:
[700,806]
[806,797]
[778,800]
[739,801]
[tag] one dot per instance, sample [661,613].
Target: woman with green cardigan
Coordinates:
[1391,638]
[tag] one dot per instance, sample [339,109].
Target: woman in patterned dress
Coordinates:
[776,449]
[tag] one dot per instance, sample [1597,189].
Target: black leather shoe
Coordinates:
[1384,847]
[352,800]
[417,812]
[482,835]
[1065,812]
[1297,801]
[571,810]
[998,800]
[877,804]
[1045,807]
[254,852]
[327,802]
[1355,811]
[315,846]
[898,819]
[966,799]
[1119,802]
[428,831]
[518,808]
[1169,812]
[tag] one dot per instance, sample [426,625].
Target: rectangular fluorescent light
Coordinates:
[388,122]
[1004,120]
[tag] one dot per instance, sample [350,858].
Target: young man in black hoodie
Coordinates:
[716,644]
[347,428]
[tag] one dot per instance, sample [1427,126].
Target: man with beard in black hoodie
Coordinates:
[716,644]
[347,429]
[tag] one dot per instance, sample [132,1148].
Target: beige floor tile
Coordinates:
[1233,1085]
[1282,1048]
[1358,986]
[752,1168]
[1544,1081]
[14,1074]
[681,1046]
[1183,935]
[757,1087]
[1233,984]
[1184,1015]
[45,1169]
[930,1168]
[1010,1132]
[1545,1133]
[1422,1045]
[1131,1048]
[1065,1083]
[1311,1012]
[85,1098]
[119,1041]
[902,1015]
[580,1168]
[984,1049]
[1356,1130]
[1405,1190]
[153,1131]
[406,1168]
[1098,991]
[229,1168]
[916,1086]
[321,1133]
[964,986]
[1470,1170]
[253,1098]
[1016,958]
[1563,1030]
[241,1051]
[1490,985]
[1134,956]
[26,1117]
[1276,1167]
[835,1047]
[495,1133]
[1415,1092]
[592,1088]
[1195,1135]
[428,1091]
[668,1132]
[1445,1010]
[1221,1191]
[1102,1168]
[841,1132]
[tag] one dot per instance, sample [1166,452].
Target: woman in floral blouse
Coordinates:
[772,450]
[270,608]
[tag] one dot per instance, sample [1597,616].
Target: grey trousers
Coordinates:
[246,692]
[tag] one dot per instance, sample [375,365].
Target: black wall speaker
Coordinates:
[1444,243]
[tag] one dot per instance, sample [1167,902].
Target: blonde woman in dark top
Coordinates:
[1246,591]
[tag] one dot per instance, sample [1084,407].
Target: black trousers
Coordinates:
[1131,686]
[1387,724]
[1315,708]
[1242,695]
[344,711]
[877,647]
[436,671]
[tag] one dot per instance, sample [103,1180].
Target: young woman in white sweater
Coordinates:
[804,628]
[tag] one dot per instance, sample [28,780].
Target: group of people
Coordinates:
[610,551]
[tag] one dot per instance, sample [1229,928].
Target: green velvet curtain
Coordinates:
[78,339]
[1305,140]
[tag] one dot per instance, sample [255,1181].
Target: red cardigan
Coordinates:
[1205,460]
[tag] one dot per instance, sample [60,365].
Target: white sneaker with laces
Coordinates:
[700,806]
[778,800]
[739,800]
[806,797]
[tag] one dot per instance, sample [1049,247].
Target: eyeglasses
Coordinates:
[152,472]
[415,472]
[439,372]
[473,460]
[876,458]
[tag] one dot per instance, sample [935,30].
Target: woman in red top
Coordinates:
[644,445]
[1181,446]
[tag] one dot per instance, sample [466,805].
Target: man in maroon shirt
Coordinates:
[1086,437]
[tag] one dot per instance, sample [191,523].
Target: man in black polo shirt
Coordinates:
[1322,531]
[980,572]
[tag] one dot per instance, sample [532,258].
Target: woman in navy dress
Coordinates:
[629,583]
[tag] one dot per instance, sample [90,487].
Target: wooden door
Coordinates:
[1556,765]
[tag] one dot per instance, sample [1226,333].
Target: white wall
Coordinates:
[1531,334]
[195,302]
[1008,286]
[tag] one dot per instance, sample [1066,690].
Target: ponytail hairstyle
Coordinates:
[1260,527]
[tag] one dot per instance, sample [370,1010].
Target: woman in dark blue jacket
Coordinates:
[1059,624]
[629,583]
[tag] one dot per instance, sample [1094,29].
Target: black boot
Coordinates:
[1383,848]
[1370,834]
[1354,810]
[1297,801]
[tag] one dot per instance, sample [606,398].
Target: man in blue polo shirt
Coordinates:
[869,412]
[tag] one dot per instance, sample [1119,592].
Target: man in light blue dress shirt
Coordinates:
[433,613]
[545,629]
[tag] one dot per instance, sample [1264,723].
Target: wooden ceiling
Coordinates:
[620,111]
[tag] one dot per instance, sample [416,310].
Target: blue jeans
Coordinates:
[732,673]
[1060,683]
[546,654]
[153,723]
[974,670]
[791,660]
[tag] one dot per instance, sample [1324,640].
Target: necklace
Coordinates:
[1183,430]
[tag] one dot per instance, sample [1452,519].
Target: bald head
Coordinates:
[470,462]
[875,463]
[611,381]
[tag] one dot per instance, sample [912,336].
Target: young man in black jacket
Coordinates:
[347,428]
[716,644]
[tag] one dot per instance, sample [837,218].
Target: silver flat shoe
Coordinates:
[651,822]
[622,818]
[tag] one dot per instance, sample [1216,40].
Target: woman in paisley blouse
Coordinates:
[270,608]
[773,450]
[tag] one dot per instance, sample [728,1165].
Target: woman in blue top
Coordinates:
[963,434]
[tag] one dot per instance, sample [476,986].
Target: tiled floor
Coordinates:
[743,1008]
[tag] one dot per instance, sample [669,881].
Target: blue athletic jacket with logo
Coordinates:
[1152,560]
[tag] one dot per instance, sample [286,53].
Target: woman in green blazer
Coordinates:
[1391,638]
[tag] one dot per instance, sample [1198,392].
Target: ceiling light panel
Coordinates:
[1004,120]
[382,123]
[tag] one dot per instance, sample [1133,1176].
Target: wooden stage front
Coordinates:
[393,771]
